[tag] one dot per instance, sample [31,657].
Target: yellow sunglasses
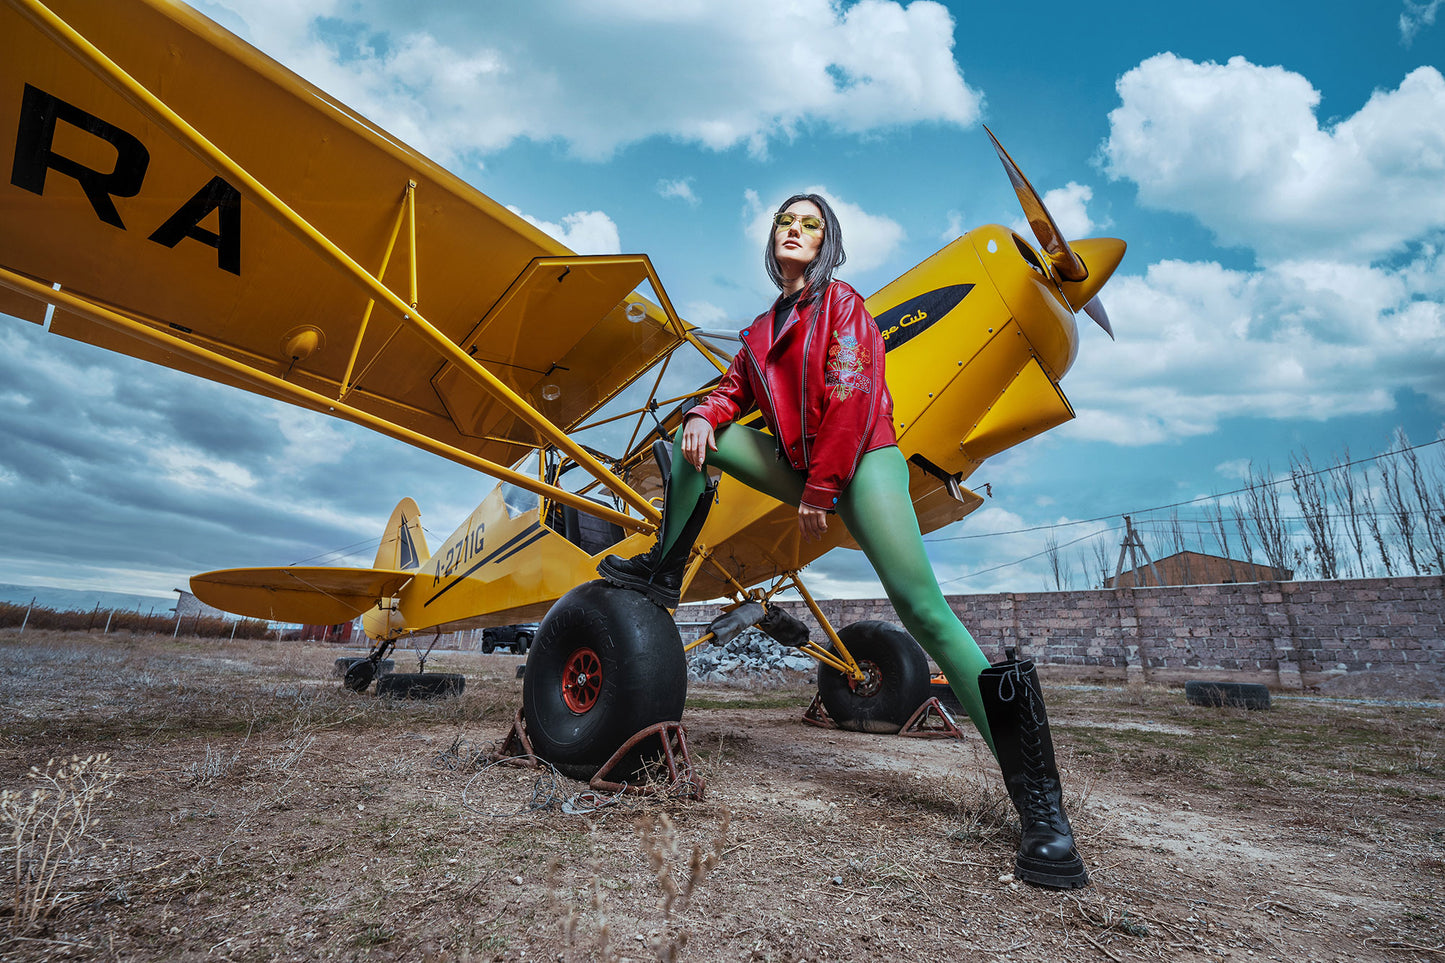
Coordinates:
[807,223]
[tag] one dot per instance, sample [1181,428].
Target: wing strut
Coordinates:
[314,400]
[407,212]
[156,110]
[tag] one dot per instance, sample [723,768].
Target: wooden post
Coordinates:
[26,621]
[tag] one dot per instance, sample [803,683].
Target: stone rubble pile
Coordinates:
[750,657]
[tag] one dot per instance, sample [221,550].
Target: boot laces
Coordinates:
[1041,786]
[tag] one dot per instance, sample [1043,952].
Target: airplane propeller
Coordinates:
[1094,308]
[1065,264]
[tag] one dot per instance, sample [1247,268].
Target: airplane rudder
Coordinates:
[403,545]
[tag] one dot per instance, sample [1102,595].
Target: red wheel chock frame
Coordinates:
[516,748]
[931,721]
[817,715]
[682,781]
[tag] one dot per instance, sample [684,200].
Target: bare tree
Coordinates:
[1215,512]
[1342,481]
[1432,531]
[1267,521]
[1161,540]
[1102,561]
[1241,525]
[1180,545]
[1400,508]
[1377,533]
[1313,496]
[1057,568]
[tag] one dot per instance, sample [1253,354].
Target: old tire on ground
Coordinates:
[605,664]
[420,685]
[344,664]
[1242,695]
[897,682]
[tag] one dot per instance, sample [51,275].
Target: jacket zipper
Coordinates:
[803,381]
[767,388]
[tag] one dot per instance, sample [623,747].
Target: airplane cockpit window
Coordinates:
[519,501]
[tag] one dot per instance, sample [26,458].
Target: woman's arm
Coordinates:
[698,437]
[732,396]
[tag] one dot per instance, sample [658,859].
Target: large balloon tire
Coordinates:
[605,664]
[897,683]
[420,685]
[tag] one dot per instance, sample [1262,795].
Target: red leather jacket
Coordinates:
[820,387]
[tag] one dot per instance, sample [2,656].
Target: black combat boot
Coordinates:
[655,573]
[1015,708]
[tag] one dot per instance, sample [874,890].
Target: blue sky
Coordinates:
[1280,180]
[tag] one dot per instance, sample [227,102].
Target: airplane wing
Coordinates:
[107,205]
[307,595]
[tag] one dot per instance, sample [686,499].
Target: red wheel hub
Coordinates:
[871,682]
[581,680]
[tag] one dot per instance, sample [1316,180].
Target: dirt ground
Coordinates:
[260,812]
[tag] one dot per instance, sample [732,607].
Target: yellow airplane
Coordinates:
[178,197]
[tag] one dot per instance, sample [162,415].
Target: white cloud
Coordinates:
[198,470]
[1239,147]
[705,314]
[1419,15]
[955,227]
[1199,343]
[311,441]
[680,189]
[585,232]
[457,79]
[1068,205]
[870,240]
[1236,469]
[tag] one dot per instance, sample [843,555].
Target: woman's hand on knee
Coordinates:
[697,439]
[812,522]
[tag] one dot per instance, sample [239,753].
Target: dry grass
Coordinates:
[264,813]
[49,831]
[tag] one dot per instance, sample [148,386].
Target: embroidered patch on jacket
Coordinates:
[844,374]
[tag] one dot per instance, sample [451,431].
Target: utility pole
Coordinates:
[1133,545]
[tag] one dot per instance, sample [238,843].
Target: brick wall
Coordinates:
[1285,634]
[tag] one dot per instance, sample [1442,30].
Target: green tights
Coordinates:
[879,514]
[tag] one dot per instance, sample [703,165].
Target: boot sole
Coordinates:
[1050,875]
[636,585]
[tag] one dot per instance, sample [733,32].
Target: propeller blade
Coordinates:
[1051,239]
[1094,308]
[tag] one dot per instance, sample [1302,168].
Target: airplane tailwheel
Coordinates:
[344,664]
[605,663]
[359,675]
[895,682]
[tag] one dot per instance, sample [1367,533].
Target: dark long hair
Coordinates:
[819,273]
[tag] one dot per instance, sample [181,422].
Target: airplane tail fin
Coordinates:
[403,546]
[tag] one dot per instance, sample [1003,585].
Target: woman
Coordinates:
[814,365]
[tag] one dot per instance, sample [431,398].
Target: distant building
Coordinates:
[1196,568]
[342,633]
[188,606]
